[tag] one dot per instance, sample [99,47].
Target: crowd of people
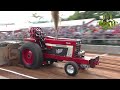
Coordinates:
[80,32]
[87,32]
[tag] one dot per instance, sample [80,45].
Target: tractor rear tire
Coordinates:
[31,55]
[73,66]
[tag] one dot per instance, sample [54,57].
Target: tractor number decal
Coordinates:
[58,51]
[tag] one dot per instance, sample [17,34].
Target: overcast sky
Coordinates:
[25,16]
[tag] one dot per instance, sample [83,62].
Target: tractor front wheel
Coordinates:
[71,68]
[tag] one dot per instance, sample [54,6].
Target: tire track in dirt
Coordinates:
[109,67]
[109,64]
[111,74]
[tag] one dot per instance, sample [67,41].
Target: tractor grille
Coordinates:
[77,48]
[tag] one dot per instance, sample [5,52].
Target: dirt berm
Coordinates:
[9,53]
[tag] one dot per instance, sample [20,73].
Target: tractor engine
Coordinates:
[78,51]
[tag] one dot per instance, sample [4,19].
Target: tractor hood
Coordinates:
[62,41]
[66,39]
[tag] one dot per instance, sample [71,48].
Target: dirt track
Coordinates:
[109,68]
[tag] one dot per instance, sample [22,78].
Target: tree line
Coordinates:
[91,14]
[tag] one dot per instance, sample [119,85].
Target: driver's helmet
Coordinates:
[36,31]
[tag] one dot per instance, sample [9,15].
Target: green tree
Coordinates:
[92,14]
[75,16]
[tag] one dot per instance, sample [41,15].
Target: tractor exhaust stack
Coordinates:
[55,17]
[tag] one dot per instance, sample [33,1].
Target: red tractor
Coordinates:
[41,50]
